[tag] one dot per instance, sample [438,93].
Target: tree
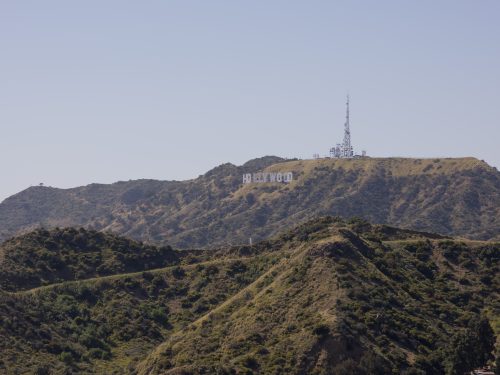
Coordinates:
[484,340]
[460,359]
[472,348]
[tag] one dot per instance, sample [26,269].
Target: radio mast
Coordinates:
[347,151]
[344,150]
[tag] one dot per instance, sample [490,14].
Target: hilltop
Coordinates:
[459,197]
[330,294]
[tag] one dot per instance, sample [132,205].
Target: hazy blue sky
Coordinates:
[100,91]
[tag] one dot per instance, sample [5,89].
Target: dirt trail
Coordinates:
[121,275]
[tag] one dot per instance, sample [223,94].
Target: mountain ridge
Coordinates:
[452,196]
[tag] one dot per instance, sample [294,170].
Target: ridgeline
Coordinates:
[458,197]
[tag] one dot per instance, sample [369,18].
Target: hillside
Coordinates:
[73,322]
[459,197]
[330,294]
[42,257]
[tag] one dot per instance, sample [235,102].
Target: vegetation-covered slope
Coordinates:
[103,325]
[46,257]
[459,197]
[346,300]
[329,297]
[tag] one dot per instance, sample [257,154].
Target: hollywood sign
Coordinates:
[261,177]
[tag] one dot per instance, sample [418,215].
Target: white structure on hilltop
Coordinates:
[262,177]
[344,150]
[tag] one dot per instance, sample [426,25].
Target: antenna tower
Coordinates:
[347,151]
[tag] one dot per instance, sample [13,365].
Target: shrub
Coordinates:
[42,370]
[97,353]
[321,330]
[178,272]
[66,357]
[251,362]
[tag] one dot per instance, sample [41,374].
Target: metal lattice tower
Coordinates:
[347,151]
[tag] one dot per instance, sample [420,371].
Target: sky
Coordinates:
[102,91]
